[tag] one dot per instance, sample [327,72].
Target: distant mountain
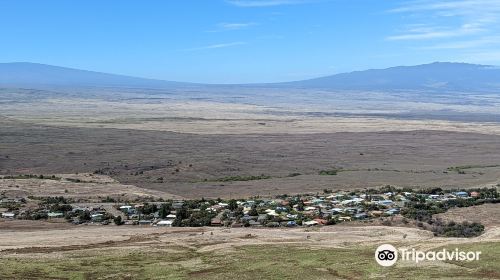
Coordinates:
[438,75]
[435,76]
[33,74]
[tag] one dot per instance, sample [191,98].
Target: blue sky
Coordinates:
[233,41]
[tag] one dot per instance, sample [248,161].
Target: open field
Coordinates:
[178,149]
[338,252]
[216,141]
[486,214]
[76,186]
[192,165]
[238,117]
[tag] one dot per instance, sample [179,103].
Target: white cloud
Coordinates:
[265,3]
[433,32]
[229,26]
[451,7]
[451,18]
[217,46]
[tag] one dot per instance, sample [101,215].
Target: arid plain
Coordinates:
[194,143]
[122,147]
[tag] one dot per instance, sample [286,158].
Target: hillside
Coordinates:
[33,74]
[438,75]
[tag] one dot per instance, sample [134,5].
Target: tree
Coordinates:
[84,215]
[165,210]
[118,220]
[232,205]
[253,211]
[182,213]
[300,206]
[149,208]
[238,213]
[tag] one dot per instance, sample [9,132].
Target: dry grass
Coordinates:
[160,253]
[486,214]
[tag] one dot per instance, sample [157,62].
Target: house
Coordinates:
[127,209]
[177,205]
[336,210]
[361,216]
[392,211]
[272,212]
[310,223]
[8,215]
[78,209]
[434,196]
[385,202]
[321,221]
[281,209]
[344,218]
[461,194]
[53,215]
[350,210]
[292,216]
[165,223]
[97,217]
[171,217]
[216,222]
[291,224]
[144,222]
[474,194]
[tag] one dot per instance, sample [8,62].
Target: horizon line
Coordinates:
[239,84]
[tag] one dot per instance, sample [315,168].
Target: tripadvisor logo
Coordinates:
[387,255]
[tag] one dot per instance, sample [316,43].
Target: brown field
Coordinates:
[335,252]
[193,165]
[91,187]
[203,149]
[486,214]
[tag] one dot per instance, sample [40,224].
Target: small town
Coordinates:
[386,205]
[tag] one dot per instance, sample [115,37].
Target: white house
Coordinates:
[165,223]
[311,223]
[8,215]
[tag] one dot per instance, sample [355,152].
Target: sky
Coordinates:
[244,41]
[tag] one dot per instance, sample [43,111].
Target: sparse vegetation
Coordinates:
[328,172]
[242,178]
[31,176]
[243,262]
[453,229]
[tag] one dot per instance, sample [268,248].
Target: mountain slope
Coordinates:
[435,76]
[31,74]
[438,75]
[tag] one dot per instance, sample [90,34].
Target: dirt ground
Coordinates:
[31,240]
[92,187]
[192,166]
[486,214]
[209,117]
